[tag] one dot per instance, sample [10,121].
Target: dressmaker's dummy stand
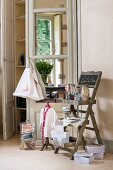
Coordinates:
[46,144]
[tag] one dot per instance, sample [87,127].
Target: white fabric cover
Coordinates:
[51,118]
[37,77]
[28,86]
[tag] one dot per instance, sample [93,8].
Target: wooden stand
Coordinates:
[46,144]
[92,79]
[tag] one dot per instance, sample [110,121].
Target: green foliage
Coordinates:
[43,48]
[44,67]
[43,36]
[43,29]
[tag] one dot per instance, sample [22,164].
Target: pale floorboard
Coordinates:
[12,158]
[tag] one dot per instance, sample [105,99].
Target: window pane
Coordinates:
[43,48]
[43,29]
[52,27]
[59,73]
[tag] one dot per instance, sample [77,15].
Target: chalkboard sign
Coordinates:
[89,78]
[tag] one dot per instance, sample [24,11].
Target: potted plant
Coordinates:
[44,68]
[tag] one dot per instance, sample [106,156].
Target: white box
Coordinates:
[55,134]
[59,128]
[27,136]
[98,155]
[95,148]
[62,140]
[83,158]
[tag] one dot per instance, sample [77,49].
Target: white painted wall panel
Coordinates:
[97,54]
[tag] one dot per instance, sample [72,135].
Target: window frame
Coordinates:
[42,10]
[51,56]
[72,36]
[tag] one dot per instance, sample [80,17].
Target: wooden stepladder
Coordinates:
[92,80]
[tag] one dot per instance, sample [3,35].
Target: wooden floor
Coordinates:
[12,158]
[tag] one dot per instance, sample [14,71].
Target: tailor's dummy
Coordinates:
[48,117]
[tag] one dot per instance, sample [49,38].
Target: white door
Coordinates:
[7,68]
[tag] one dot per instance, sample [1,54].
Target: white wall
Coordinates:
[0,77]
[97,54]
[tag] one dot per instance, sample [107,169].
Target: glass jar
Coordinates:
[85,92]
[70,91]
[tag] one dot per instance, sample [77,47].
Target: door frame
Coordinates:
[5,102]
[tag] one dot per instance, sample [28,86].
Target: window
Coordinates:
[61,43]
[48,42]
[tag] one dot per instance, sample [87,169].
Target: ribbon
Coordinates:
[44,119]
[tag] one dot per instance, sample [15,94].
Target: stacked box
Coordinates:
[99,155]
[97,150]
[59,136]
[27,131]
[59,128]
[83,158]
[60,141]
[26,136]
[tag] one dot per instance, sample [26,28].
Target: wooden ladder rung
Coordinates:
[90,128]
